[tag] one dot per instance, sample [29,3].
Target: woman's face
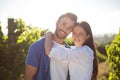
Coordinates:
[79,36]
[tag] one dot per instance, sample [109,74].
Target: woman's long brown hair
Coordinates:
[90,42]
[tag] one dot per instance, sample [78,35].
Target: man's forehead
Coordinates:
[65,19]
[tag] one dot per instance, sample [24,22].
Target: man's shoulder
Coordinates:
[38,43]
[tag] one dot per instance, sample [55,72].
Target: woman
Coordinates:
[82,59]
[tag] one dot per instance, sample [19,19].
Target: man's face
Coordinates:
[63,27]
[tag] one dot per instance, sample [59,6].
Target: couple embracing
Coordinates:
[50,58]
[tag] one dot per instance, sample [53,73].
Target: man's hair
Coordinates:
[70,15]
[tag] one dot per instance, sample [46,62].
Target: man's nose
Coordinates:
[77,36]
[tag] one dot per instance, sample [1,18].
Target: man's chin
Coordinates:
[60,37]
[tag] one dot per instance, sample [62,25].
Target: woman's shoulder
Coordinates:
[88,51]
[87,48]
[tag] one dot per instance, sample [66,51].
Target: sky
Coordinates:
[102,15]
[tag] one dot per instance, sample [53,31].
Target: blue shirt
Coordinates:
[37,58]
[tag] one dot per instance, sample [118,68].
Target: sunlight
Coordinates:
[44,13]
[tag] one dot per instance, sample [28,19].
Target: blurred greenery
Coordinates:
[113,52]
[1,33]
[102,41]
[101,57]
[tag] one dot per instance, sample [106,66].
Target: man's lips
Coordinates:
[62,32]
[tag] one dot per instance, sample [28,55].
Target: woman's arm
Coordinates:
[48,42]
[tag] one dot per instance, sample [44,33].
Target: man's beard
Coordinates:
[58,35]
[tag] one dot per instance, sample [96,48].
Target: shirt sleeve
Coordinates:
[58,53]
[33,56]
[89,52]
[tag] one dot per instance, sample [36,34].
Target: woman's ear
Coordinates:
[88,36]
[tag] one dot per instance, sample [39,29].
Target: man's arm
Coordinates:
[48,42]
[32,62]
[30,72]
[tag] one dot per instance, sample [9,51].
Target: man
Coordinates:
[37,65]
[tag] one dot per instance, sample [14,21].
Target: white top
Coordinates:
[81,63]
[58,62]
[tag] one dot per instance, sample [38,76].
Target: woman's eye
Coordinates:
[82,34]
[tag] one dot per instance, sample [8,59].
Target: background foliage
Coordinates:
[113,52]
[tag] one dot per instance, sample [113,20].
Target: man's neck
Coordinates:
[58,40]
